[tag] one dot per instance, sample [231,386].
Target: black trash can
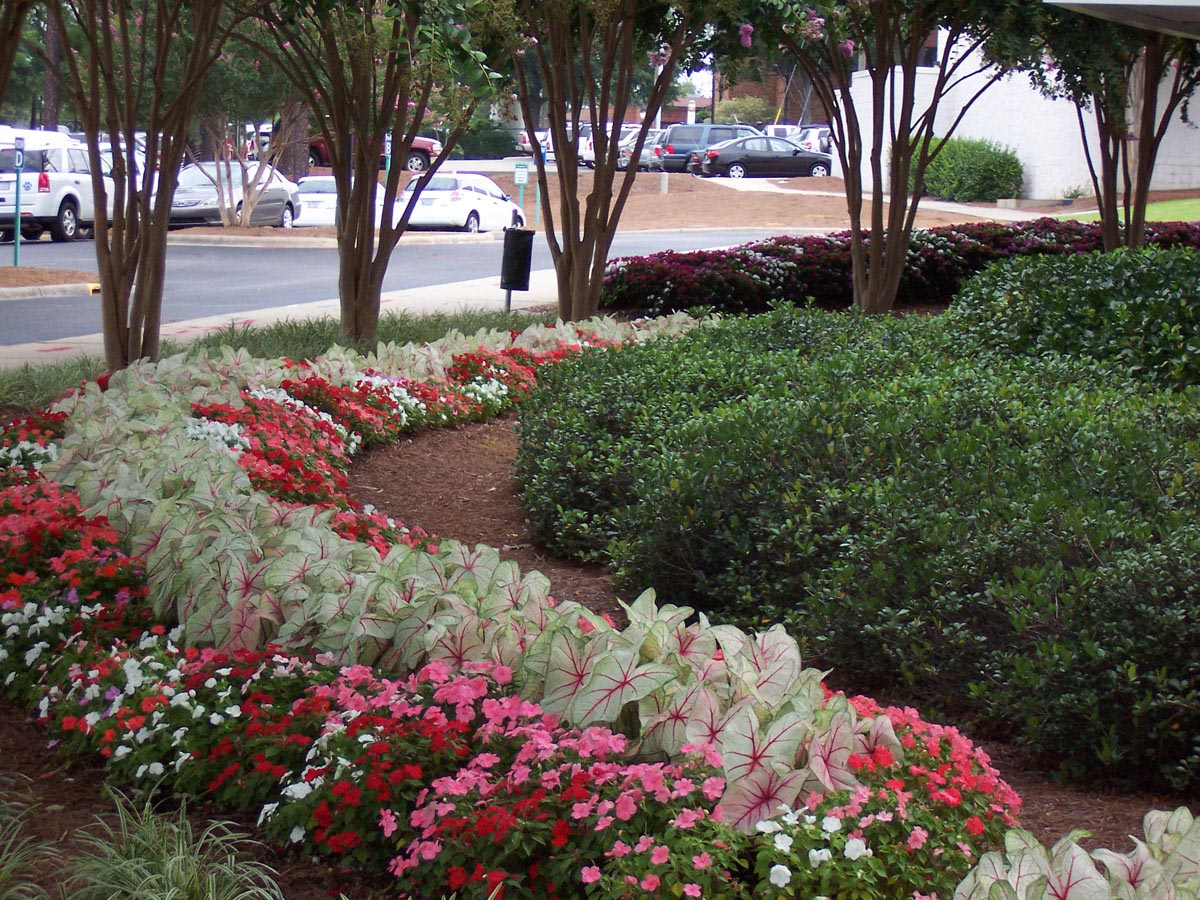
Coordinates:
[518,253]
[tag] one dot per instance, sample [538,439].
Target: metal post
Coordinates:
[18,165]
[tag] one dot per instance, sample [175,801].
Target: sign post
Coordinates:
[18,165]
[520,179]
[387,153]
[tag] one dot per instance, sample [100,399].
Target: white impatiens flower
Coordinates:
[816,857]
[830,824]
[780,875]
[856,848]
[783,842]
[768,826]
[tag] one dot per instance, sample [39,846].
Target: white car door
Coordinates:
[75,163]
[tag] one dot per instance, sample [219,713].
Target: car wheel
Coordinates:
[313,159]
[416,162]
[737,170]
[472,223]
[5,235]
[237,216]
[65,226]
[518,220]
[819,170]
[287,218]
[590,165]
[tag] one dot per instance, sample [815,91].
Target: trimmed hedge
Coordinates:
[1136,309]
[974,171]
[802,270]
[1010,541]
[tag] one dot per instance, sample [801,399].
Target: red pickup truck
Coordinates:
[423,151]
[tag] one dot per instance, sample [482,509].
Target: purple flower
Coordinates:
[745,33]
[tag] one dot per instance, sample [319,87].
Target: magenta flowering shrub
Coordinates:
[753,277]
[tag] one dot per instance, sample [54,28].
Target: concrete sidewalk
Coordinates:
[480,294]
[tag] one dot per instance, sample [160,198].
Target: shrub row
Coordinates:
[753,277]
[1011,541]
[1138,310]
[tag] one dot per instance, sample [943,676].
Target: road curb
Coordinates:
[271,242]
[49,290]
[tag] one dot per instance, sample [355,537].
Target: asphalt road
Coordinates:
[204,281]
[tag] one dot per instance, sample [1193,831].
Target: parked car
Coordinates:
[625,149]
[318,199]
[587,149]
[196,203]
[422,153]
[523,145]
[818,138]
[681,140]
[462,201]
[781,130]
[56,185]
[763,156]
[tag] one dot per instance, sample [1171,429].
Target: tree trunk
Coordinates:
[12,22]
[50,101]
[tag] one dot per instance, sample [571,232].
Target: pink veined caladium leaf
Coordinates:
[407,649]
[1074,876]
[759,796]
[1136,868]
[616,678]
[694,646]
[710,718]
[571,660]
[775,746]
[458,647]
[665,718]
[829,754]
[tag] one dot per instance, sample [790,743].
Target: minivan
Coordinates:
[56,185]
[680,140]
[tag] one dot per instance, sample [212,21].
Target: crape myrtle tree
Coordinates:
[1118,73]
[12,21]
[368,71]
[242,91]
[589,54]
[887,42]
[136,66]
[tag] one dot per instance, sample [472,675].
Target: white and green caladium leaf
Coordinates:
[616,678]
[1073,876]
[1165,828]
[406,652]
[457,643]
[760,795]
[1131,873]
[747,745]
[572,659]
[828,754]
[665,715]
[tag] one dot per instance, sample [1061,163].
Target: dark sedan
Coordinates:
[765,156]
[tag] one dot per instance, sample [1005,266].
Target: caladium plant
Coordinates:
[1165,865]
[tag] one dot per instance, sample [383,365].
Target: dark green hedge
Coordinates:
[969,170]
[1010,540]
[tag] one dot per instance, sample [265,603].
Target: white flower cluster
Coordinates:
[406,404]
[217,434]
[780,875]
[486,392]
[28,455]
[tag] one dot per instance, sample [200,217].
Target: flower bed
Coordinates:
[402,706]
[754,277]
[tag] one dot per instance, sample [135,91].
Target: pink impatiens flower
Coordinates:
[659,855]
[591,874]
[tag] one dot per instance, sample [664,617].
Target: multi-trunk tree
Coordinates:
[1134,82]
[135,74]
[911,54]
[589,54]
[368,72]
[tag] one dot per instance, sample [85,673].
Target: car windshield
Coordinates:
[317,186]
[437,183]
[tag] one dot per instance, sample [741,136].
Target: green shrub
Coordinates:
[996,537]
[1138,310]
[973,171]
[484,140]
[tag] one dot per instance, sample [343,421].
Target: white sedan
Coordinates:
[318,199]
[460,201]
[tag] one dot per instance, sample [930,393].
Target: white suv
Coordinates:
[56,185]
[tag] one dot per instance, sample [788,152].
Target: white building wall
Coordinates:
[1043,133]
